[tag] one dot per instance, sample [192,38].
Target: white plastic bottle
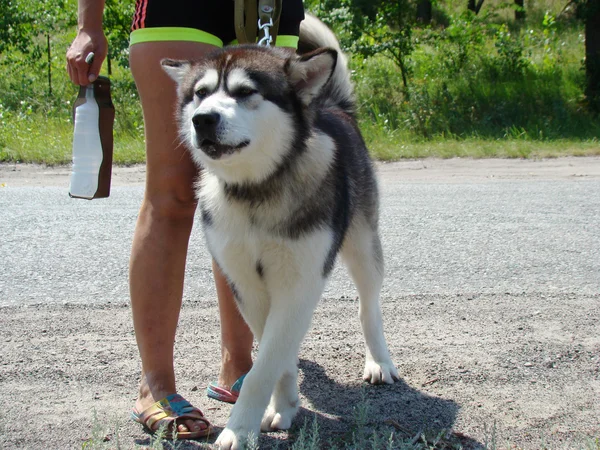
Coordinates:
[87,148]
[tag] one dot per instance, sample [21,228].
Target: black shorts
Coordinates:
[206,21]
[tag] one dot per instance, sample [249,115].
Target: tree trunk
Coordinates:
[424,11]
[520,12]
[592,53]
[475,5]
[49,65]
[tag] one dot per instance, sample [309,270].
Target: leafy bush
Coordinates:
[465,76]
[480,78]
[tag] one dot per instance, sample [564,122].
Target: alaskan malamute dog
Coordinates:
[286,185]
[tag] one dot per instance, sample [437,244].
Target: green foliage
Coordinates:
[14,24]
[481,77]
[462,41]
[511,52]
[36,96]
[492,101]
[380,28]
[117,26]
[464,77]
[307,439]
[390,34]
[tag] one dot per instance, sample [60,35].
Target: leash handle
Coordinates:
[245,16]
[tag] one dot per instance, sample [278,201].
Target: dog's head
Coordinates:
[242,109]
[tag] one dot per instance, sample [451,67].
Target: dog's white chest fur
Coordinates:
[257,261]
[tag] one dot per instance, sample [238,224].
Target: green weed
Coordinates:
[100,437]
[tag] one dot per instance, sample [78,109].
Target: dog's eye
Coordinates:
[201,92]
[245,92]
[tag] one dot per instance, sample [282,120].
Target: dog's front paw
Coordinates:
[230,440]
[278,420]
[378,373]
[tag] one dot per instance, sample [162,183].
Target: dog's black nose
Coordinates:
[206,124]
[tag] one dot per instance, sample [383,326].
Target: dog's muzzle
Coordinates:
[206,126]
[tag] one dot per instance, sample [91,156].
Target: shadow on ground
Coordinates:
[349,416]
[342,410]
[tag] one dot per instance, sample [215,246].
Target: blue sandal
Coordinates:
[224,395]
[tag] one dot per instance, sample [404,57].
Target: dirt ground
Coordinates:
[511,370]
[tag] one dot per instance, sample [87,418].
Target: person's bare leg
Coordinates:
[236,337]
[164,225]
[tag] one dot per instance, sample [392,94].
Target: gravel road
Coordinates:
[491,303]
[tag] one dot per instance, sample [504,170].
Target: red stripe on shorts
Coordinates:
[139,18]
[144,7]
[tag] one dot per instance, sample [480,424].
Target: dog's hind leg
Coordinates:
[363,256]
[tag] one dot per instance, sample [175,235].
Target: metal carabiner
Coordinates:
[268,39]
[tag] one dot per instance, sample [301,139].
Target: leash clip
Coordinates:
[268,39]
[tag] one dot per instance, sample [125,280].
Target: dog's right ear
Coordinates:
[176,69]
[310,72]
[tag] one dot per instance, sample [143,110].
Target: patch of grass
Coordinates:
[364,435]
[389,145]
[484,99]
[34,138]
[129,150]
[593,444]
[48,140]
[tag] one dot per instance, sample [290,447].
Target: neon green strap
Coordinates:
[173,34]
[282,41]
[193,35]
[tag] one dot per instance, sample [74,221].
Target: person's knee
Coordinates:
[174,202]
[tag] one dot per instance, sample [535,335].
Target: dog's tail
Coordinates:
[315,34]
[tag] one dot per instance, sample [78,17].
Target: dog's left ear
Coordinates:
[310,72]
[176,69]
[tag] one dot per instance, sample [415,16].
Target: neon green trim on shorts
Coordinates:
[282,41]
[287,41]
[173,34]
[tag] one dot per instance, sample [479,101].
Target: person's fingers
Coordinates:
[82,73]
[94,69]
[77,67]
[85,57]
[70,71]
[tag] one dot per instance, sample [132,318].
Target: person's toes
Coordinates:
[199,425]
[194,425]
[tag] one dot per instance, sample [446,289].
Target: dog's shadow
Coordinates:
[346,415]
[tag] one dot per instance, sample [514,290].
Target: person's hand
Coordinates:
[86,42]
